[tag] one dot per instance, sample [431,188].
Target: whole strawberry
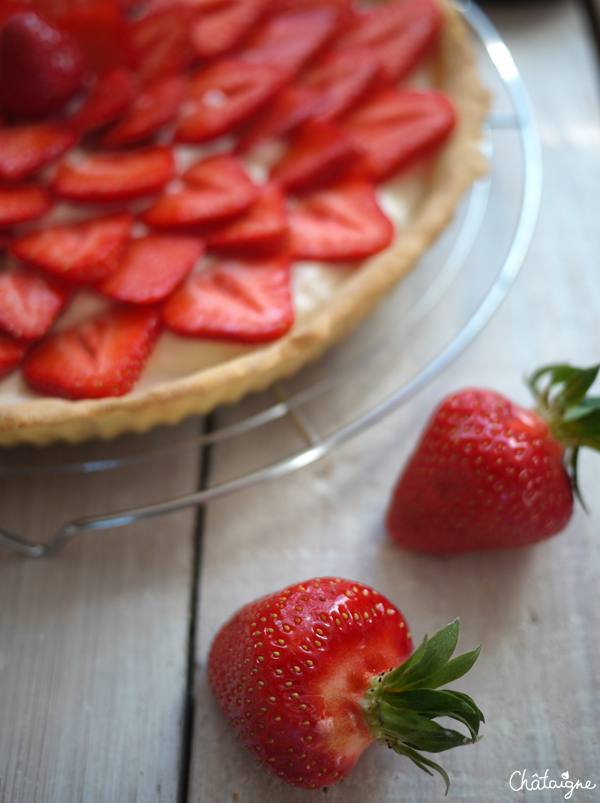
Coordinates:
[41,66]
[310,676]
[488,474]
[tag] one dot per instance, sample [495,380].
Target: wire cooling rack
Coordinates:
[454,291]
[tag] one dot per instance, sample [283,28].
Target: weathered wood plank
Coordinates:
[536,611]
[94,640]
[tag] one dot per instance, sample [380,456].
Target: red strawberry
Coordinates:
[161,41]
[395,127]
[223,95]
[488,474]
[221,24]
[115,176]
[111,95]
[342,77]
[23,202]
[156,106]
[304,677]
[318,154]
[41,66]
[262,227]
[103,33]
[290,39]
[29,303]
[401,33]
[288,109]
[11,353]
[151,268]
[102,357]
[81,252]
[25,149]
[245,301]
[217,187]
[341,222]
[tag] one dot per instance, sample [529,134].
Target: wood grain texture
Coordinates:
[536,611]
[94,640]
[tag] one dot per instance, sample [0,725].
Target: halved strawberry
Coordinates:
[110,96]
[29,303]
[25,149]
[262,227]
[218,187]
[219,26]
[22,202]
[342,77]
[102,357]
[81,252]
[318,153]
[161,41]
[156,106]
[246,301]
[288,109]
[223,95]
[290,39]
[152,267]
[12,352]
[397,126]
[115,176]
[341,222]
[401,33]
[103,33]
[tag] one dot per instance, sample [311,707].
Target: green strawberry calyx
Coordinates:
[400,705]
[573,417]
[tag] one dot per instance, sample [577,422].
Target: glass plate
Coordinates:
[436,311]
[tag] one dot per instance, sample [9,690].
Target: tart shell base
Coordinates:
[44,420]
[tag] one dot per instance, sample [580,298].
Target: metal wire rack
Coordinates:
[448,278]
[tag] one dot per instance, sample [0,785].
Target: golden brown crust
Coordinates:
[42,421]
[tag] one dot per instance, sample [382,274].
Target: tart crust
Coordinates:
[44,420]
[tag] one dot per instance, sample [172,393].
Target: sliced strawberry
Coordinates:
[247,301]
[401,33]
[288,109]
[342,222]
[103,33]
[343,77]
[220,26]
[156,106]
[152,267]
[111,95]
[319,153]
[81,252]
[12,352]
[161,41]
[23,202]
[115,177]
[262,227]
[397,126]
[29,303]
[218,187]
[102,357]
[25,149]
[223,95]
[289,40]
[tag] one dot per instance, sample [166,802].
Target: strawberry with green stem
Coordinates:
[312,675]
[488,474]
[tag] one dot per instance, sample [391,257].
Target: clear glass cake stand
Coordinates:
[453,292]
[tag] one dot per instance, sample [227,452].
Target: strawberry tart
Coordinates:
[198,197]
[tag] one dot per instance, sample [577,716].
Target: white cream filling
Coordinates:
[314,284]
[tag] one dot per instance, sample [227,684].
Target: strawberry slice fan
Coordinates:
[177,164]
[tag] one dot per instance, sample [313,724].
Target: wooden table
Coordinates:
[103,693]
